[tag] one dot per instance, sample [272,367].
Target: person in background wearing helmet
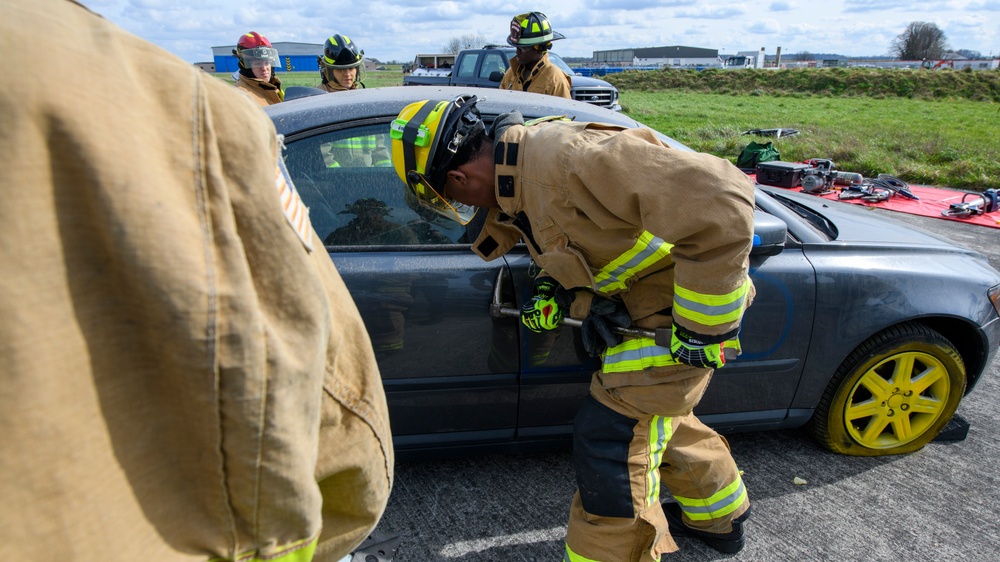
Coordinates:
[530,70]
[342,65]
[185,376]
[625,231]
[257,59]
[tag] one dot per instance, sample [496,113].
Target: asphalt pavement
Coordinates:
[939,503]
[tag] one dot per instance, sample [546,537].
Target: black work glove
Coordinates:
[597,329]
[503,122]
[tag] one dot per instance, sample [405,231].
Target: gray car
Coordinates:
[868,331]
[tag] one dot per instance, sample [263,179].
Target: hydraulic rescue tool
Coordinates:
[974,204]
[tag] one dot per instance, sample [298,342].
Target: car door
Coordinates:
[754,390]
[449,369]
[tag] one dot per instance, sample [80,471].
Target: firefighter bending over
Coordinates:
[626,230]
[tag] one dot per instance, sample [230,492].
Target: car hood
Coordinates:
[858,225]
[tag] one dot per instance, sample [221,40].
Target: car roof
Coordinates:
[319,111]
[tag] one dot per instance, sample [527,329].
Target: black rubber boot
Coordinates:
[729,543]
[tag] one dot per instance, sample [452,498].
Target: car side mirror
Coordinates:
[496,76]
[769,234]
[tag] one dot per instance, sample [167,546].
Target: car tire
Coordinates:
[892,395]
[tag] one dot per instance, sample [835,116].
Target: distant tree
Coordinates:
[970,54]
[920,40]
[803,56]
[456,44]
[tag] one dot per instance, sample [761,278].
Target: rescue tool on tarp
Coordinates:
[776,133]
[974,204]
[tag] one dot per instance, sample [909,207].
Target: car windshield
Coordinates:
[557,60]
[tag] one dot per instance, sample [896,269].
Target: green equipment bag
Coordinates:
[755,153]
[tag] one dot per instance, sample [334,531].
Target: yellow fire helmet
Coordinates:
[425,138]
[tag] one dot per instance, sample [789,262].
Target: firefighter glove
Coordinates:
[543,312]
[597,329]
[691,349]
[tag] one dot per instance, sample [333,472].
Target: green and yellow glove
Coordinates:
[542,312]
[691,349]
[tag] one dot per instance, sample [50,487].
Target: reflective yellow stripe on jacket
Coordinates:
[571,556]
[647,251]
[366,142]
[710,310]
[635,355]
[301,551]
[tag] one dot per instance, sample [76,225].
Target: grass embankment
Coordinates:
[916,133]
[871,121]
[375,78]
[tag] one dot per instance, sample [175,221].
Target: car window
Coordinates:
[557,60]
[492,62]
[354,196]
[468,67]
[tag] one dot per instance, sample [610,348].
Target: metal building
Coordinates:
[674,55]
[297,57]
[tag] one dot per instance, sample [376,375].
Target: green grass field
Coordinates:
[943,143]
[393,76]
[932,128]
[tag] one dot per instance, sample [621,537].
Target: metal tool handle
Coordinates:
[508,312]
[499,309]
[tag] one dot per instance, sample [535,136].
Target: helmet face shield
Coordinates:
[430,199]
[258,56]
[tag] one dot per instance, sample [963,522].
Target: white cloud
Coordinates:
[397,29]
[876,5]
[766,27]
[710,11]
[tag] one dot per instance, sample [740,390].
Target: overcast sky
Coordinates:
[398,29]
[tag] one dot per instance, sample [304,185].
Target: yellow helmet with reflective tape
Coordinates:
[426,135]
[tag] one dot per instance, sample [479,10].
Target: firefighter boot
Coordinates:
[729,543]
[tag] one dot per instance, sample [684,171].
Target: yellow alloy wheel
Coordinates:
[897,401]
[892,395]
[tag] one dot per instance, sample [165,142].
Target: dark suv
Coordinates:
[484,68]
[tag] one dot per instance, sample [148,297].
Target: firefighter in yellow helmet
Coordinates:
[531,70]
[185,376]
[625,230]
[342,64]
[257,61]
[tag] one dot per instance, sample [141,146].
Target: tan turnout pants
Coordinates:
[628,440]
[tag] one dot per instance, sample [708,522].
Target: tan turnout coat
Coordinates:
[543,78]
[181,376]
[264,93]
[591,190]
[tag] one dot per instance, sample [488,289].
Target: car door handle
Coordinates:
[499,309]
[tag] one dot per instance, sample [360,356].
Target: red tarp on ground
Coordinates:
[932,201]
